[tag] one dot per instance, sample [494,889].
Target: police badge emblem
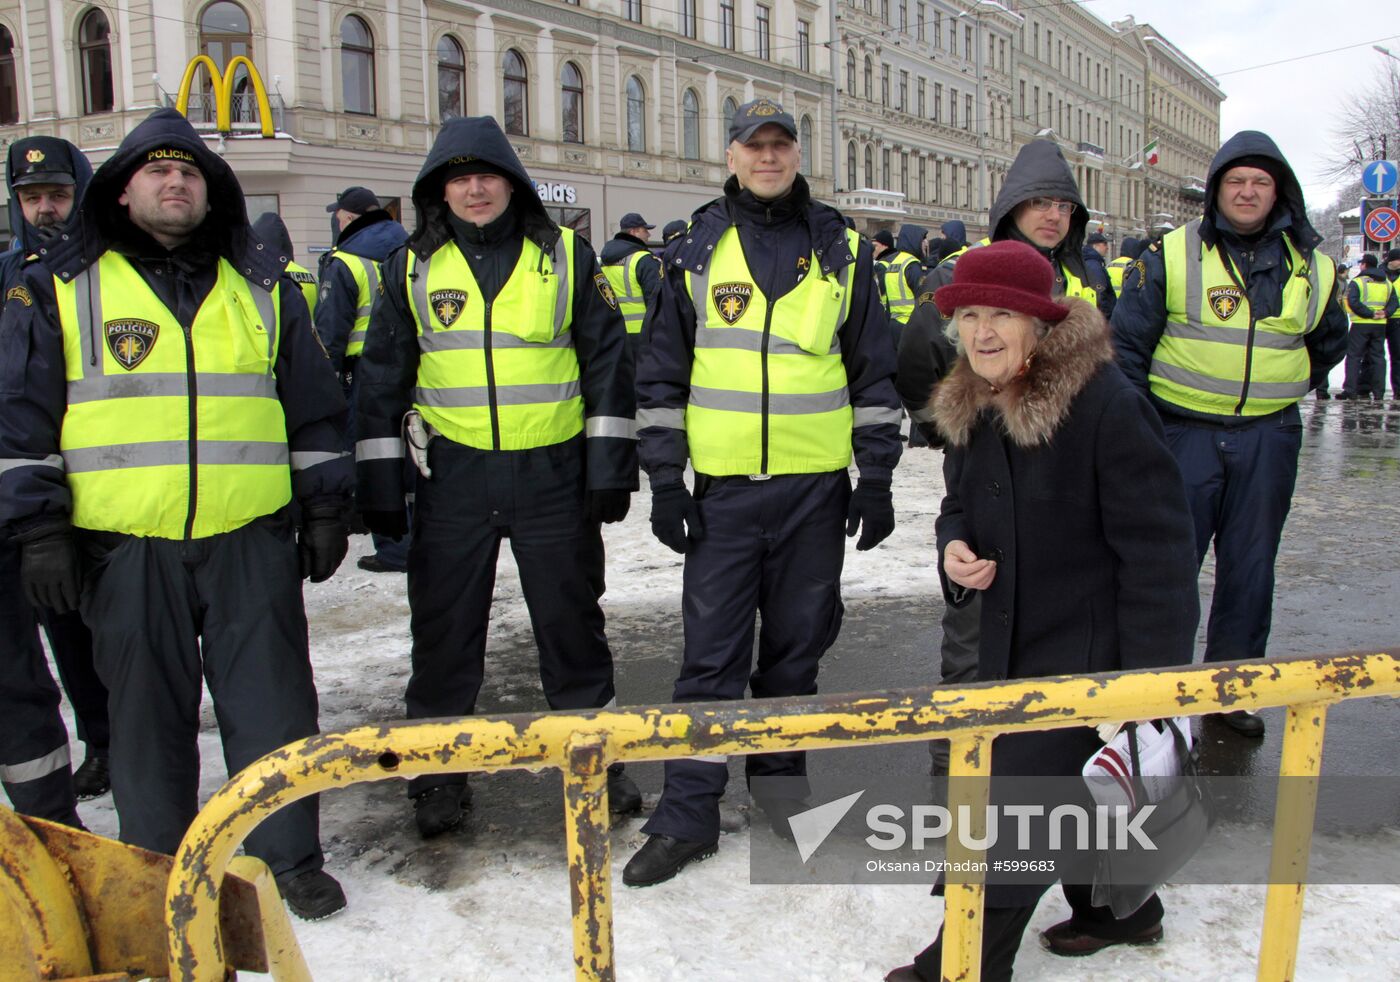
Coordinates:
[448,305]
[1224,300]
[731,300]
[35,156]
[130,341]
[605,290]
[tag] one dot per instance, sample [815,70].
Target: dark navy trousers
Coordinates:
[1365,365]
[71,642]
[774,549]
[1239,482]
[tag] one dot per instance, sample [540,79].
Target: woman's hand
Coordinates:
[963,567]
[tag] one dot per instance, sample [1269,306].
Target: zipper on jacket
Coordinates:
[763,416]
[192,399]
[491,383]
[1249,340]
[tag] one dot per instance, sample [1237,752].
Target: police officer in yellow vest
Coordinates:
[270,228]
[767,367]
[635,274]
[1127,252]
[1370,300]
[501,341]
[900,271]
[1227,324]
[172,406]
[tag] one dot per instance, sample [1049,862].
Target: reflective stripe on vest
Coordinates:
[1372,293]
[899,298]
[1213,357]
[768,388]
[1075,287]
[503,375]
[628,290]
[1116,269]
[366,274]
[171,433]
[306,280]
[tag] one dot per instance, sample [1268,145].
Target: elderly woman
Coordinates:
[1066,509]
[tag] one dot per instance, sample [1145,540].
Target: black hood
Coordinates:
[1252,143]
[619,247]
[104,222]
[475,138]
[911,240]
[1040,171]
[272,232]
[26,236]
[1130,247]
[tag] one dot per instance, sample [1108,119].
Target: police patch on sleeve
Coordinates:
[130,340]
[926,297]
[605,290]
[1140,268]
[21,294]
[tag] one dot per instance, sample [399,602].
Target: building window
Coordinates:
[869,79]
[904,174]
[922,90]
[731,106]
[937,101]
[690,124]
[804,46]
[9,79]
[636,115]
[923,178]
[921,27]
[903,91]
[571,102]
[967,113]
[517,93]
[224,34]
[869,166]
[937,28]
[688,18]
[851,182]
[885,170]
[904,16]
[953,107]
[937,181]
[884,85]
[761,29]
[632,10]
[1023,98]
[851,73]
[357,66]
[451,78]
[968,51]
[804,136]
[95,56]
[726,24]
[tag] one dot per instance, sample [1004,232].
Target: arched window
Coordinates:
[9,79]
[690,124]
[804,138]
[571,102]
[852,182]
[224,34]
[517,93]
[451,78]
[636,115]
[869,78]
[730,108]
[95,56]
[869,166]
[851,73]
[357,65]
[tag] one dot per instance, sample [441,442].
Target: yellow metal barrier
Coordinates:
[582,745]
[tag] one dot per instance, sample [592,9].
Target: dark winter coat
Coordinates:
[779,238]
[1065,480]
[1096,275]
[620,247]
[33,384]
[374,235]
[28,239]
[1358,308]
[1262,263]
[388,369]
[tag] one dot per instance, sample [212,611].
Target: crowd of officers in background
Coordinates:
[490,378]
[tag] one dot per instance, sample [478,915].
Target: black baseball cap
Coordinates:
[760,112]
[356,200]
[1368,261]
[884,238]
[1096,239]
[41,160]
[1393,256]
[675,227]
[634,220]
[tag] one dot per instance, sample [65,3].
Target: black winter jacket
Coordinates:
[1357,308]
[373,235]
[28,239]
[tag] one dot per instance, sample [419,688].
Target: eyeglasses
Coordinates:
[1065,208]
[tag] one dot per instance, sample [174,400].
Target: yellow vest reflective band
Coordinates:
[366,273]
[171,433]
[1075,287]
[899,298]
[1116,269]
[768,388]
[305,279]
[1213,357]
[628,290]
[503,375]
[1372,293]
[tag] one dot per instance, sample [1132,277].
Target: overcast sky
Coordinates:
[1294,102]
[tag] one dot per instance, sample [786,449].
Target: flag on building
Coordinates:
[1149,153]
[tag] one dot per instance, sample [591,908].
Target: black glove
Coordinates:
[872,511]
[672,511]
[322,541]
[390,524]
[48,567]
[609,505]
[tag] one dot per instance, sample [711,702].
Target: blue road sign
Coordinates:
[1380,176]
[1382,224]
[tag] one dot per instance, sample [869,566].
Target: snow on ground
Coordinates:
[491,902]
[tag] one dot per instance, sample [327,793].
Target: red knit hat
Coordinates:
[1007,274]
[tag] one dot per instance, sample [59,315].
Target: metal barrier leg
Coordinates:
[970,757]
[1293,828]
[590,857]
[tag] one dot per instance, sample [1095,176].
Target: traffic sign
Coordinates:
[1380,176]
[1383,224]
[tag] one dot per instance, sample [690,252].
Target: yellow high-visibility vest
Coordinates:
[1116,269]
[306,280]
[628,290]
[170,432]
[1372,293]
[366,274]
[899,298]
[503,375]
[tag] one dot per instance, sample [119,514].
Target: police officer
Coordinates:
[1096,271]
[1127,252]
[1370,299]
[635,274]
[273,232]
[1228,323]
[675,227]
[497,330]
[901,269]
[173,403]
[1392,327]
[767,361]
[46,176]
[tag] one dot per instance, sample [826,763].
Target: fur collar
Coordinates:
[1032,407]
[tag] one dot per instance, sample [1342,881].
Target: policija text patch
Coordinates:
[732,299]
[130,341]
